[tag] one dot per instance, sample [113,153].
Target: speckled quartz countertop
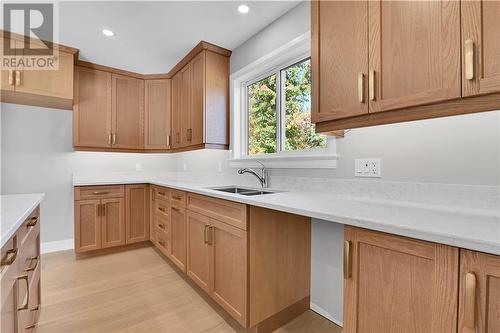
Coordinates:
[14,209]
[475,229]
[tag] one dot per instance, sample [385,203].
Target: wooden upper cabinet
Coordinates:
[7,76]
[339,59]
[414,53]
[200,101]
[480,47]
[176,110]
[127,112]
[479,303]
[198,249]
[397,284]
[54,83]
[92,108]
[157,111]
[87,225]
[137,213]
[113,222]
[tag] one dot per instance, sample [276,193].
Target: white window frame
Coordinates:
[291,53]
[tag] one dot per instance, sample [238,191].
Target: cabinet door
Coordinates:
[198,249]
[137,213]
[178,236]
[92,108]
[185,104]
[8,277]
[87,225]
[397,284]
[127,112]
[157,114]
[480,28]
[113,222]
[176,110]
[228,269]
[414,53]
[479,304]
[197,110]
[339,59]
[54,83]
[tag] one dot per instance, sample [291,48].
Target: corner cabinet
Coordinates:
[157,114]
[397,284]
[379,62]
[200,101]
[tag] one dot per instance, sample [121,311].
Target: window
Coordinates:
[278,112]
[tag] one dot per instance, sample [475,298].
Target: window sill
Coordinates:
[312,161]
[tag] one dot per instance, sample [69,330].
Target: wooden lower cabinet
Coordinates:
[178,236]
[87,225]
[137,214]
[198,249]
[228,268]
[20,278]
[113,222]
[397,284]
[479,302]
[99,222]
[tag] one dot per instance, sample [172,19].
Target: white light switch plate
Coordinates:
[368,167]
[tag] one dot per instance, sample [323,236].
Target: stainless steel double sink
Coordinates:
[241,190]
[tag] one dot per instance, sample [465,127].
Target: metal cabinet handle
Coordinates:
[361,87]
[18,78]
[161,209]
[32,268]
[347,260]
[470,301]
[33,221]
[100,192]
[168,140]
[10,257]
[110,138]
[25,278]
[209,230]
[205,233]
[113,140]
[161,226]
[103,209]
[371,84]
[469,59]
[11,77]
[162,243]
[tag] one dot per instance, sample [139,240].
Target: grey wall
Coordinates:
[37,156]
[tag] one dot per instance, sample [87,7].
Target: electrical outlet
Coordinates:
[368,167]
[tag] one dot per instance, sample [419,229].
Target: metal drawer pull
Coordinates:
[161,225]
[161,209]
[33,221]
[469,59]
[176,197]
[30,327]
[162,243]
[32,268]
[161,193]
[176,209]
[25,306]
[10,257]
[100,192]
[470,301]
[347,260]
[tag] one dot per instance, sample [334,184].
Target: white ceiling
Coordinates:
[151,37]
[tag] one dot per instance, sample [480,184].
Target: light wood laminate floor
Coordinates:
[135,291]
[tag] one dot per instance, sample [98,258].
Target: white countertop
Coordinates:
[14,209]
[473,229]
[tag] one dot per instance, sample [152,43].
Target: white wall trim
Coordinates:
[322,312]
[65,244]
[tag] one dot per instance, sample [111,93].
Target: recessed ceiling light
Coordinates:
[243,9]
[108,33]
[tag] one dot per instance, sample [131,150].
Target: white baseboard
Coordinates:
[65,244]
[322,312]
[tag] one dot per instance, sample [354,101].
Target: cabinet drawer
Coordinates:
[162,225]
[162,243]
[232,213]
[32,223]
[99,192]
[178,198]
[162,209]
[160,193]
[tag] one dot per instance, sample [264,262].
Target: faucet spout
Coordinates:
[263,177]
